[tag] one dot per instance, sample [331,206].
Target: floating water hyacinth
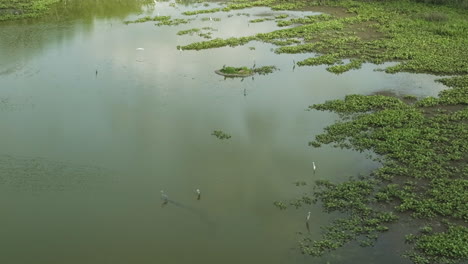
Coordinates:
[220,134]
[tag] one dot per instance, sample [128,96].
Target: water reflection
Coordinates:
[90,10]
[22,40]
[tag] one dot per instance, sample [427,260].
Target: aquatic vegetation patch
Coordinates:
[279,37]
[294,5]
[197,31]
[282,16]
[328,59]
[216,19]
[338,69]
[188,31]
[423,174]
[290,36]
[162,20]
[434,16]
[284,42]
[356,103]
[173,22]
[422,38]
[364,222]
[264,70]
[148,19]
[203,11]
[217,43]
[220,134]
[235,71]
[206,35]
[259,20]
[209,28]
[458,95]
[247,4]
[437,244]
[19,9]
[305,20]
[230,71]
[280,205]
[455,82]
[232,6]
[410,97]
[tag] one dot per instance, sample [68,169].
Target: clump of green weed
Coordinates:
[264,70]
[338,69]
[220,134]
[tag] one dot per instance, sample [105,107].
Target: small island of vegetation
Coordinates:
[235,71]
[244,71]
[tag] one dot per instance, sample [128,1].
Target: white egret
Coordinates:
[198,194]
[140,49]
[308,216]
[164,196]
[313,165]
[211,19]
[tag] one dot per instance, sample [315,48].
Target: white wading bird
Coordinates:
[164,197]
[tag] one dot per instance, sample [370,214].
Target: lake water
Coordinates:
[92,129]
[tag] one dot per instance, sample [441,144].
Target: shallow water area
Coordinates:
[98,117]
